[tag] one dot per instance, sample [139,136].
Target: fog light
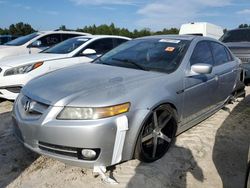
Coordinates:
[88,153]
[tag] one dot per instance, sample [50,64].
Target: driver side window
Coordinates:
[202,54]
[50,40]
[101,46]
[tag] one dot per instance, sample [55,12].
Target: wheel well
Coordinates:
[146,119]
[172,106]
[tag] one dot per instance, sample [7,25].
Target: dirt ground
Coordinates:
[211,154]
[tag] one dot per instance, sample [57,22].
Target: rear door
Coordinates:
[225,70]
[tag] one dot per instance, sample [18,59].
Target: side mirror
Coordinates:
[89,51]
[37,43]
[201,69]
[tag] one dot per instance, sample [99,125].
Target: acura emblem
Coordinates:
[27,106]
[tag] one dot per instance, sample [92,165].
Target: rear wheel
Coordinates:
[157,134]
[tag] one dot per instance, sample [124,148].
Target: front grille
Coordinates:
[16,89]
[65,150]
[245,59]
[30,109]
[61,150]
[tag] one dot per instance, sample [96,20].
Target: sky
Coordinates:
[131,14]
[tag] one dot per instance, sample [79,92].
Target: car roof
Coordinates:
[103,36]
[178,37]
[66,32]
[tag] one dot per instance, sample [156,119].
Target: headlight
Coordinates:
[75,113]
[22,69]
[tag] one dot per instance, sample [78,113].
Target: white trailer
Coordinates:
[202,29]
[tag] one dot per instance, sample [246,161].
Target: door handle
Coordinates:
[216,78]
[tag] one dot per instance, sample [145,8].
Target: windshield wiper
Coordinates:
[130,62]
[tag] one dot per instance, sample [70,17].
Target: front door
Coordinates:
[198,91]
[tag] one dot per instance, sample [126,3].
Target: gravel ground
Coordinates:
[211,154]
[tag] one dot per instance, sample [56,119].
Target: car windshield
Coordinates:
[22,40]
[66,46]
[236,36]
[161,55]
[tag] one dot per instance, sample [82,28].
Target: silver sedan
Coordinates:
[130,103]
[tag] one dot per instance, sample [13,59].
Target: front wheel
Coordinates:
[157,134]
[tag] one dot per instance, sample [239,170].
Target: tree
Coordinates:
[63,28]
[244,25]
[20,29]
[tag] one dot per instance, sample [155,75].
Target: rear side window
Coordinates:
[101,46]
[239,35]
[117,42]
[68,36]
[50,40]
[202,54]
[220,54]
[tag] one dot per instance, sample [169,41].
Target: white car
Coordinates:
[15,72]
[35,42]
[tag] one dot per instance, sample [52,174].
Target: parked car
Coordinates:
[35,42]
[238,40]
[202,29]
[131,102]
[6,38]
[16,71]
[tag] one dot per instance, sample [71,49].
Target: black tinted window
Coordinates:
[202,54]
[117,42]
[240,35]
[68,36]
[50,40]
[101,46]
[219,53]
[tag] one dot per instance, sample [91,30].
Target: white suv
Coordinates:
[15,72]
[35,42]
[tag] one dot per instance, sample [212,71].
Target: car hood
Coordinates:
[29,58]
[61,87]
[6,51]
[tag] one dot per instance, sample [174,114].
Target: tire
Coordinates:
[157,134]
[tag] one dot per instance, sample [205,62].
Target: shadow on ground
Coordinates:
[166,172]
[14,158]
[231,146]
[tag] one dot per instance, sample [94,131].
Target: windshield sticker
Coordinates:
[169,41]
[169,49]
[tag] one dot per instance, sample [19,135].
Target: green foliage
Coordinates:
[18,29]
[244,26]
[25,29]
[113,30]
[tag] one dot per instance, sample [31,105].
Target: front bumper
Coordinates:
[10,92]
[64,139]
[10,86]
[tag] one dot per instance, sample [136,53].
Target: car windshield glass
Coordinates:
[22,40]
[66,46]
[161,55]
[236,36]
